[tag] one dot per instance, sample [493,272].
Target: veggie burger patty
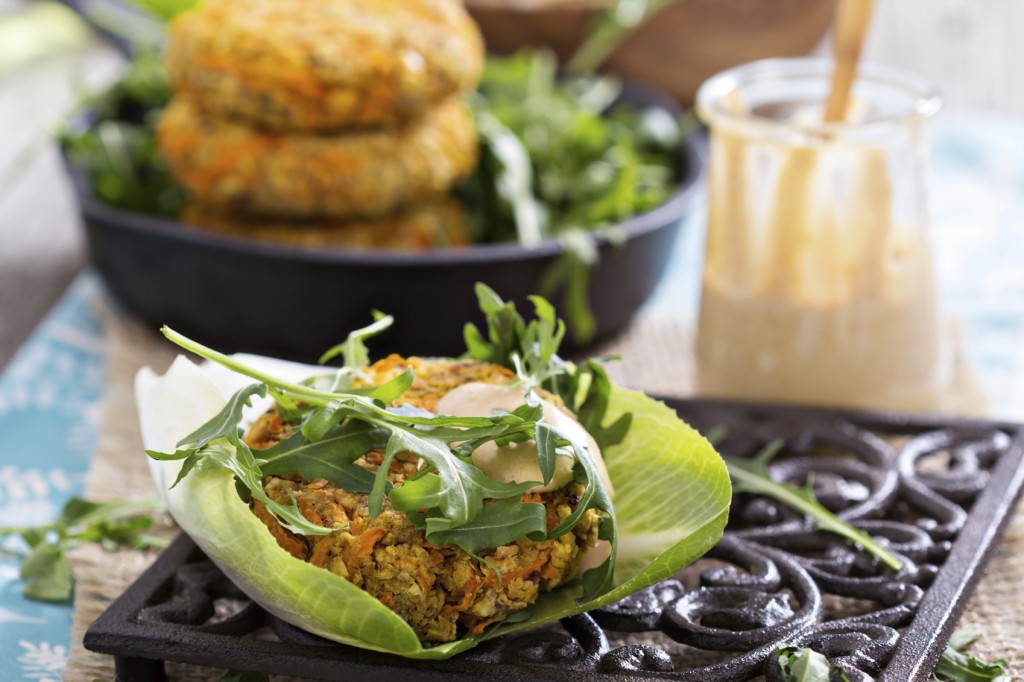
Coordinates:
[434,589]
[318,65]
[425,226]
[363,174]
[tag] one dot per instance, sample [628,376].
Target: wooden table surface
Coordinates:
[41,239]
[971,48]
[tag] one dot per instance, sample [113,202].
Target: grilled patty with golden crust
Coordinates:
[363,174]
[319,65]
[434,589]
[434,225]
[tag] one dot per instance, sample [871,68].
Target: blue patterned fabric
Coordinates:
[50,394]
[49,413]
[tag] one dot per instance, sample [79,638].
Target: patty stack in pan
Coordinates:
[323,122]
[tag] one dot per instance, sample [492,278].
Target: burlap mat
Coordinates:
[656,358]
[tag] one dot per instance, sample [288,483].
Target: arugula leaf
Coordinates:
[529,349]
[331,457]
[751,476]
[504,181]
[46,571]
[497,524]
[353,350]
[547,450]
[247,469]
[225,422]
[956,666]
[600,579]
[806,665]
[505,329]
[532,351]
[612,26]
[592,411]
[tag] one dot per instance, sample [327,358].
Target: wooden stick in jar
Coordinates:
[851,25]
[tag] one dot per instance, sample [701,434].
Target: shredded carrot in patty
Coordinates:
[321,550]
[368,539]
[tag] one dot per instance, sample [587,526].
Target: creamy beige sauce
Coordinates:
[517,463]
[815,289]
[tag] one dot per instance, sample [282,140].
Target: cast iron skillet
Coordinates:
[240,295]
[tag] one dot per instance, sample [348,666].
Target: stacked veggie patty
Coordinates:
[316,113]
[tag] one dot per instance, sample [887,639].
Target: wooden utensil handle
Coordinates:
[851,24]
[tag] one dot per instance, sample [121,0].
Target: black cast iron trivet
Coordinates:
[938,491]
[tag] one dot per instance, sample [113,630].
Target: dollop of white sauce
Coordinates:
[517,462]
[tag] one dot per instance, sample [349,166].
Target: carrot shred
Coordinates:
[369,539]
[472,586]
[287,540]
[321,550]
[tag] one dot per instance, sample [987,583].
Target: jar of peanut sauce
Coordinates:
[819,279]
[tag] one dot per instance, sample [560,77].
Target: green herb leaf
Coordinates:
[597,580]
[595,406]
[47,573]
[330,458]
[547,451]
[609,30]
[45,570]
[497,524]
[961,639]
[192,457]
[353,350]
[957,666]
[751,476]
[421,492]
[806,665]
[118,150]
[238,458]
[224,423]
[529,349]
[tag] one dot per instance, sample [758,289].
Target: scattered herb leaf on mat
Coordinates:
[751,476]
[46,572]
[806,665]
[955,665]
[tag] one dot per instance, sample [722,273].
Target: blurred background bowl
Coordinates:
[238,294]
[685,44]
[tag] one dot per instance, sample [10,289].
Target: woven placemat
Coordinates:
[656,357]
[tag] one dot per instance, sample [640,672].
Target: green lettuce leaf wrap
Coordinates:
[672,500]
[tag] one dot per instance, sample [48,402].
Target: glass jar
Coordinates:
[819,282]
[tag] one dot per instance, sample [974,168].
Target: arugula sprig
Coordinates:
[562,158]
[531,350]
[956,665]
[752,476]
[46,571]
[450,499]
[114,143]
